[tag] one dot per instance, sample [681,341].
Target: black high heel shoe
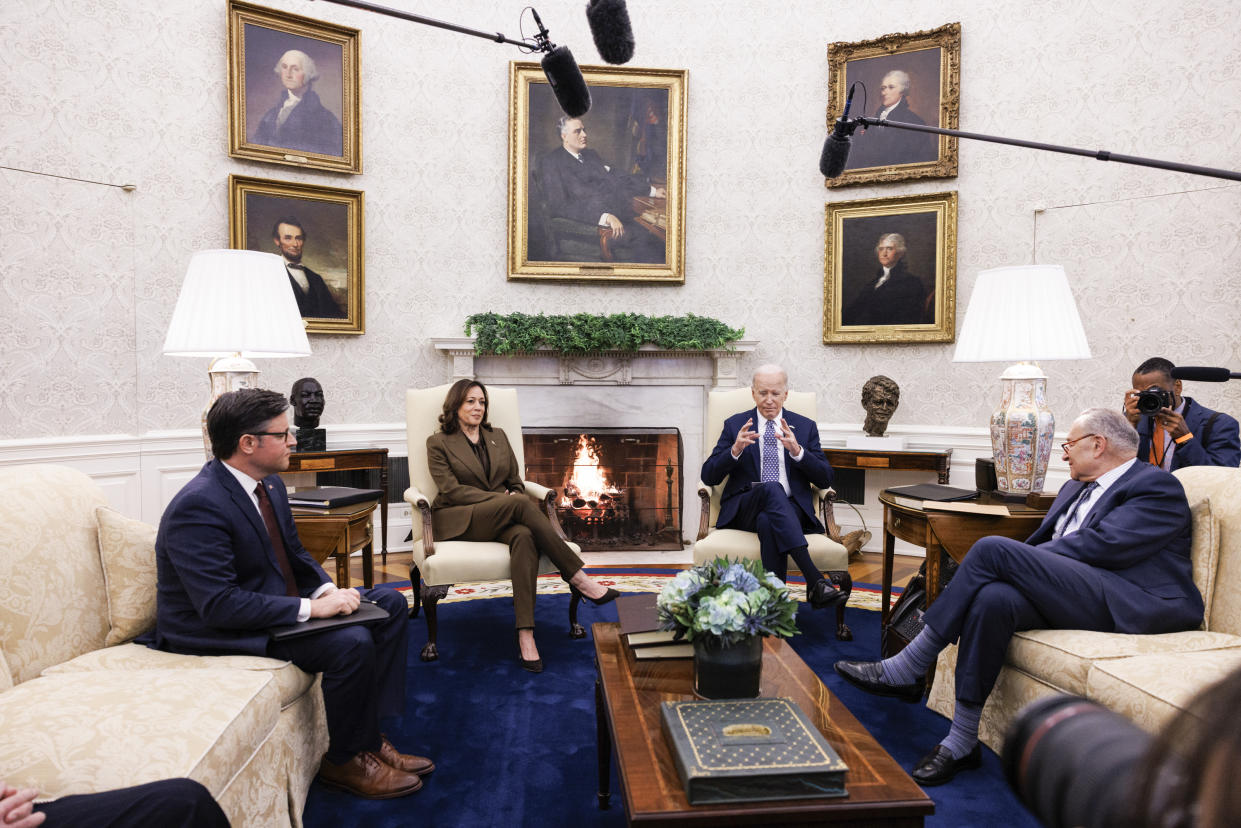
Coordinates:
[607,597]
[531,666]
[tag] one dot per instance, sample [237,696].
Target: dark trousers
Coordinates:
[781,527]
[363,670]
[1005,586]
[518,521]
[170,803]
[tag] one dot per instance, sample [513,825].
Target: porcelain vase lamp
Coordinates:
[1022,314]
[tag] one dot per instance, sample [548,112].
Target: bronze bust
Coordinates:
[307,399]
[880,397]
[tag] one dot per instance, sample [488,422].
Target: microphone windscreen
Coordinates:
[609,25]
[835,155]
[1197,374]
[567,82]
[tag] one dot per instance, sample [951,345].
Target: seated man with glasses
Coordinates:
[230,566]
[1112,555]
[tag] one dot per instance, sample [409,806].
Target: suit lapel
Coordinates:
[499,469]
[459,447]
[241,498]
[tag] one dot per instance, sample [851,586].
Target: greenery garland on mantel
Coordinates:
[515,333]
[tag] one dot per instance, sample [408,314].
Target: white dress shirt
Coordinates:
[1105,481]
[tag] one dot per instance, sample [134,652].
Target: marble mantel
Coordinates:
[648,365]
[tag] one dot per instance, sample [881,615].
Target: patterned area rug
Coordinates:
[864,596]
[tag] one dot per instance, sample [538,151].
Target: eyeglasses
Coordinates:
[283,435]
[1068,444]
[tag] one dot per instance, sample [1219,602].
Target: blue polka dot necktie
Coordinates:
[771,454]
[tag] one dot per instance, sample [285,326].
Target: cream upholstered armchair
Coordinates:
[439,564]
[826,551]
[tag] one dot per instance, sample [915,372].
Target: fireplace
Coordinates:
[617,488]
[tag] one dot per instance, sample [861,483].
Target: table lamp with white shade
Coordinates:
[1022,314]
[235,305]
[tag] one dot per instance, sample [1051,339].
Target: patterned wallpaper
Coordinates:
[121,92]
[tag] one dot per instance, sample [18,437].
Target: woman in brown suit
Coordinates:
[475,470]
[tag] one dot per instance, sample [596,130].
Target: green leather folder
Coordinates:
[750,750]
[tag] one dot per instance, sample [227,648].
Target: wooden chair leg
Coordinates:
[576,630]
[843,582]
[415,583]
[431,595]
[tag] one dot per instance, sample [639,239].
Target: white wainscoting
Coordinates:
[140,475]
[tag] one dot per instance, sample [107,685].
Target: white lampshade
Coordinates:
[236,302]
[1021,313]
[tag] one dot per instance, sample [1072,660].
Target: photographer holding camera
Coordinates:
[1175,431]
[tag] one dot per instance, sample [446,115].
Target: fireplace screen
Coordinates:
[617,488]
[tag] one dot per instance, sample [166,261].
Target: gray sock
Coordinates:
[911,663]
[963,734]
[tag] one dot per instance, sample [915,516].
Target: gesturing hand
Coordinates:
[746,436]
[787,439]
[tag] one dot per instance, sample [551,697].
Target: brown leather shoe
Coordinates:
[407,762]
[367,776]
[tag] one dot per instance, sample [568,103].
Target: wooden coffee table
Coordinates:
[627,698]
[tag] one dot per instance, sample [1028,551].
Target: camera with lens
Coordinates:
[1074,763]
[1153,399]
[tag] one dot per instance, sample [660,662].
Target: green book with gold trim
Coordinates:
[750,750]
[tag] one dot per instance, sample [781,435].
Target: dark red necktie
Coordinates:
[277,540]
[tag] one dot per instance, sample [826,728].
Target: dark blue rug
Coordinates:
[518,749]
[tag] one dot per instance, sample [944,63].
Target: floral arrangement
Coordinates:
[727,601]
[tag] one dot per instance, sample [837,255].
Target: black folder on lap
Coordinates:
[366,613]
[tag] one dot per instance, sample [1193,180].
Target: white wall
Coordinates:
[135,93]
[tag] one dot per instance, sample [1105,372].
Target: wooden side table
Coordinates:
[948,532]
[935,460]
[340,532]
[348,460]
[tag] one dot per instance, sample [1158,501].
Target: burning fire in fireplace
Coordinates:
[588,492]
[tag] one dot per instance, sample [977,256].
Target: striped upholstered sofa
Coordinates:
[1148,678]
[83,709]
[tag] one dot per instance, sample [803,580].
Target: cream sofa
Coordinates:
[1148,678]
[84,709]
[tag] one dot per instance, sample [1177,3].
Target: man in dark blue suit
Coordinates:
[1111,555]
[771,458]
[230,566]
[1184,433]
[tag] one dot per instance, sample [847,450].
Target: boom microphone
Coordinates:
[567,82]
[836,148]
[1204,374]
[609,26]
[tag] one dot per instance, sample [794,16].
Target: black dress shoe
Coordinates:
[823,594]
[529,665]
[606,598]
[939,766]
[868,676]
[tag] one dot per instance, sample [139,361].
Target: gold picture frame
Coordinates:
[916,302]
[265,215]
[633,152]
[316,124]
[929,93]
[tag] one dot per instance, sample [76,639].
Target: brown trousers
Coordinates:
[518,521]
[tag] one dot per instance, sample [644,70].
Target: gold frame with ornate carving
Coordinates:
[928,223]
[545,259]
[845,60]
[333,225]
[282,31]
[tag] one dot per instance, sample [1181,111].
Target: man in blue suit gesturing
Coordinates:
[771,457]
[1112,555]
[230,565]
